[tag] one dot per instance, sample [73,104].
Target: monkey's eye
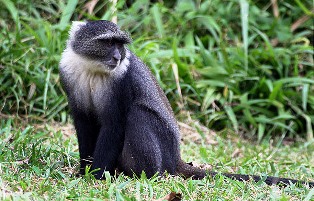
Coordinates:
[119,44]
[106,42]
[109,43]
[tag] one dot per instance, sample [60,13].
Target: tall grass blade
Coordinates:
[232,117]
[270,48]
[158,20]
[211,25]
[261,131]
[244,22]
[308,120]
[305,94]
[67,14]
[296,80]
[277,89]
[208,99]
[12,9]
[303,7]
[310,195]
[46,89]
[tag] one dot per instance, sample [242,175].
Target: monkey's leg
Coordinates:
[142,148]
[108,148]
[87,133]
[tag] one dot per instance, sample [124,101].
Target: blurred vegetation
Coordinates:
[252,74]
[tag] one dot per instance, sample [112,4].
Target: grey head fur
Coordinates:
[92,39]
[86,48]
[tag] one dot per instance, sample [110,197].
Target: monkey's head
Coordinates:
[99,41]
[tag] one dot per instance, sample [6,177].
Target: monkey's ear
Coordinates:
[77,23]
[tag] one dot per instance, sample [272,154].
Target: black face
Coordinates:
[102,41]
[113,52]
[108,51]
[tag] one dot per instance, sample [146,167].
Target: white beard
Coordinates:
[90,80]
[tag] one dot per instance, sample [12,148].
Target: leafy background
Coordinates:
[254,75]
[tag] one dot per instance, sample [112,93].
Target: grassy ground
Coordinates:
[242,67]
[40,162]
[236,63]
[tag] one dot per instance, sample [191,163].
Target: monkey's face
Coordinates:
[100,41]
[109,52]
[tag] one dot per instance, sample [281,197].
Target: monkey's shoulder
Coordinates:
[140,75]
[146,91]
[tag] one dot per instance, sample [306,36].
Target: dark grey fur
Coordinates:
[126,121]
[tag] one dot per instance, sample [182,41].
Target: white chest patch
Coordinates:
[89,81]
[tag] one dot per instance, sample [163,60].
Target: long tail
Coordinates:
[186,170]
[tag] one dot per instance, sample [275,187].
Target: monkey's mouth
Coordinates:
[112,64]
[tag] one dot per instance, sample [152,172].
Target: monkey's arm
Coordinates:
[86,131]
[108,148]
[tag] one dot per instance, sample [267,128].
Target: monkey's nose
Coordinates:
[116,55]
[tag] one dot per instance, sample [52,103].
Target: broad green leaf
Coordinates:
[67,14]
[208,98]
[261,131]
[12,9]
[158,20]
[277,89]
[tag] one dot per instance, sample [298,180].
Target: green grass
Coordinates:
[40,162]
[244,77]
[249,74]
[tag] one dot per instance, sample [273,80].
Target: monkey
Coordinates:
[122,118]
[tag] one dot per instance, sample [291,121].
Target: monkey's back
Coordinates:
[151,130]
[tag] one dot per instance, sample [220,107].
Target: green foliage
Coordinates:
[249,74]
[40,163]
